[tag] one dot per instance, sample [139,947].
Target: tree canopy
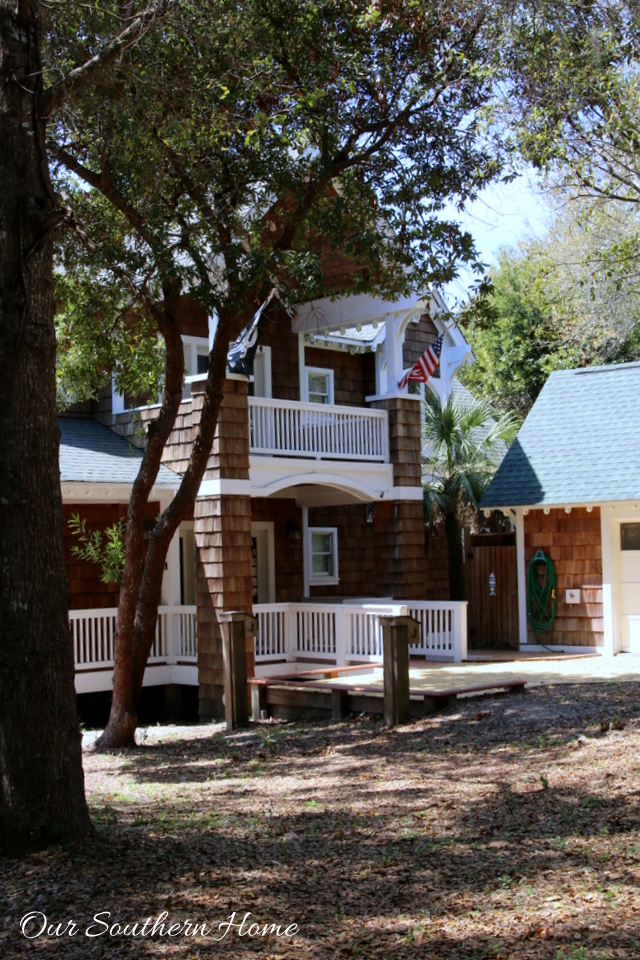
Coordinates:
[225,146]
[564,300]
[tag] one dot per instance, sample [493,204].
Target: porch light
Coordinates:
[292,530]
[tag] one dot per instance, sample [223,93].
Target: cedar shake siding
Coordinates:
[356,550]
[349,379]
[288,553]
[573,542]
[417,337]
[192,318]
[88,592]
[437,557]
[277,334]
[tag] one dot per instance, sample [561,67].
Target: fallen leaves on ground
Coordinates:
[507,827]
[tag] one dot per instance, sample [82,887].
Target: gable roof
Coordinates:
[579,444]
[92,453]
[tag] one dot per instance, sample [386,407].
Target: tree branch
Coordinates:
[102,182]
[55,95]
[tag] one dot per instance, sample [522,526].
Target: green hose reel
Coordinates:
[541,594]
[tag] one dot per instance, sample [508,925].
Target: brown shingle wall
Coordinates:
[277,334]
[178,447]
[399,550]
[404,440]
[229,458]
[417,337]
[437,557]
[356,550]
[222,528]
[192,318]
[288,553]
[88,592]
[223,582]
[573,542]
[348,377]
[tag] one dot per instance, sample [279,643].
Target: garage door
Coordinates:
[630,586]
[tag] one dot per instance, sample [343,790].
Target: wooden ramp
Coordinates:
[291,696]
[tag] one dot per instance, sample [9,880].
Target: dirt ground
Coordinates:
[507,827]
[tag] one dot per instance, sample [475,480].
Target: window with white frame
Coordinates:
[260,385]
[323,546]
[319,385]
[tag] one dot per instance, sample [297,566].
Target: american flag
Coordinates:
[426,364]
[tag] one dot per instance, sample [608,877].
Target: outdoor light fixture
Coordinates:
[292,530]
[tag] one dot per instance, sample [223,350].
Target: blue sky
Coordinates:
[501,216]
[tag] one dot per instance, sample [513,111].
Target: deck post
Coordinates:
[258,700]
[236,626]
[397,634]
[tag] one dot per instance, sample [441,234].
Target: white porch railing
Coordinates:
[93,634]
[317,430]
[350,633]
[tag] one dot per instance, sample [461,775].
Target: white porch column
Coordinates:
[306,550]
[610,612]
[522,578]
[393,340]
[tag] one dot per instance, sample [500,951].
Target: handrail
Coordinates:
[93,635]
[323,431]
[351,632]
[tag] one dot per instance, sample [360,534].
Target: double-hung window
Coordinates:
[323,543]
[319,385]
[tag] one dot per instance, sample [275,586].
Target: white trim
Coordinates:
[225,488]
[405,493]
[394,395]
[323,372]
[367,481]
[321,579]
[73,491]
[264,353]
[259,526]
[201,377]
[618,509]
[328,314]
[301,366]
[522,580]
[305,551]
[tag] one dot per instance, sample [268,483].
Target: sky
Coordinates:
[501,216]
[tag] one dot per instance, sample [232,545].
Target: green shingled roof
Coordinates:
[579,444]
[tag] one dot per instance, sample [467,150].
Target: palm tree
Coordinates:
[463,442]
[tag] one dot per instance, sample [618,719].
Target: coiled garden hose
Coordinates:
[541,594]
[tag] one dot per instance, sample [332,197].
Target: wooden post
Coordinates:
[397,634]
[258,700]
[236,626]
[339,699]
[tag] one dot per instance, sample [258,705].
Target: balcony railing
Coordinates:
[350,633]
[93,633]
[290,428]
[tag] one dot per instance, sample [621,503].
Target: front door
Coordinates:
[491,581]
[262,562]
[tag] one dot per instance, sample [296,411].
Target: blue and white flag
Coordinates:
[243,350]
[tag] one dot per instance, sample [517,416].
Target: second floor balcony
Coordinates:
[292,428]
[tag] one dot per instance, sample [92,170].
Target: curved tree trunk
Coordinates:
[41,779]
[142,583]
[456,556]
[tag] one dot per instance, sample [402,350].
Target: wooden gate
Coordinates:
[492,591]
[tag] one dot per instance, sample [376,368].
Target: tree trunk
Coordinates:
[142,581]
[41,780]
[456,556]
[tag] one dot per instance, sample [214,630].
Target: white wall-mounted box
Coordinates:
[572,596]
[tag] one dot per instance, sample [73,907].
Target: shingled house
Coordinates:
[310,511]
[571,480]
